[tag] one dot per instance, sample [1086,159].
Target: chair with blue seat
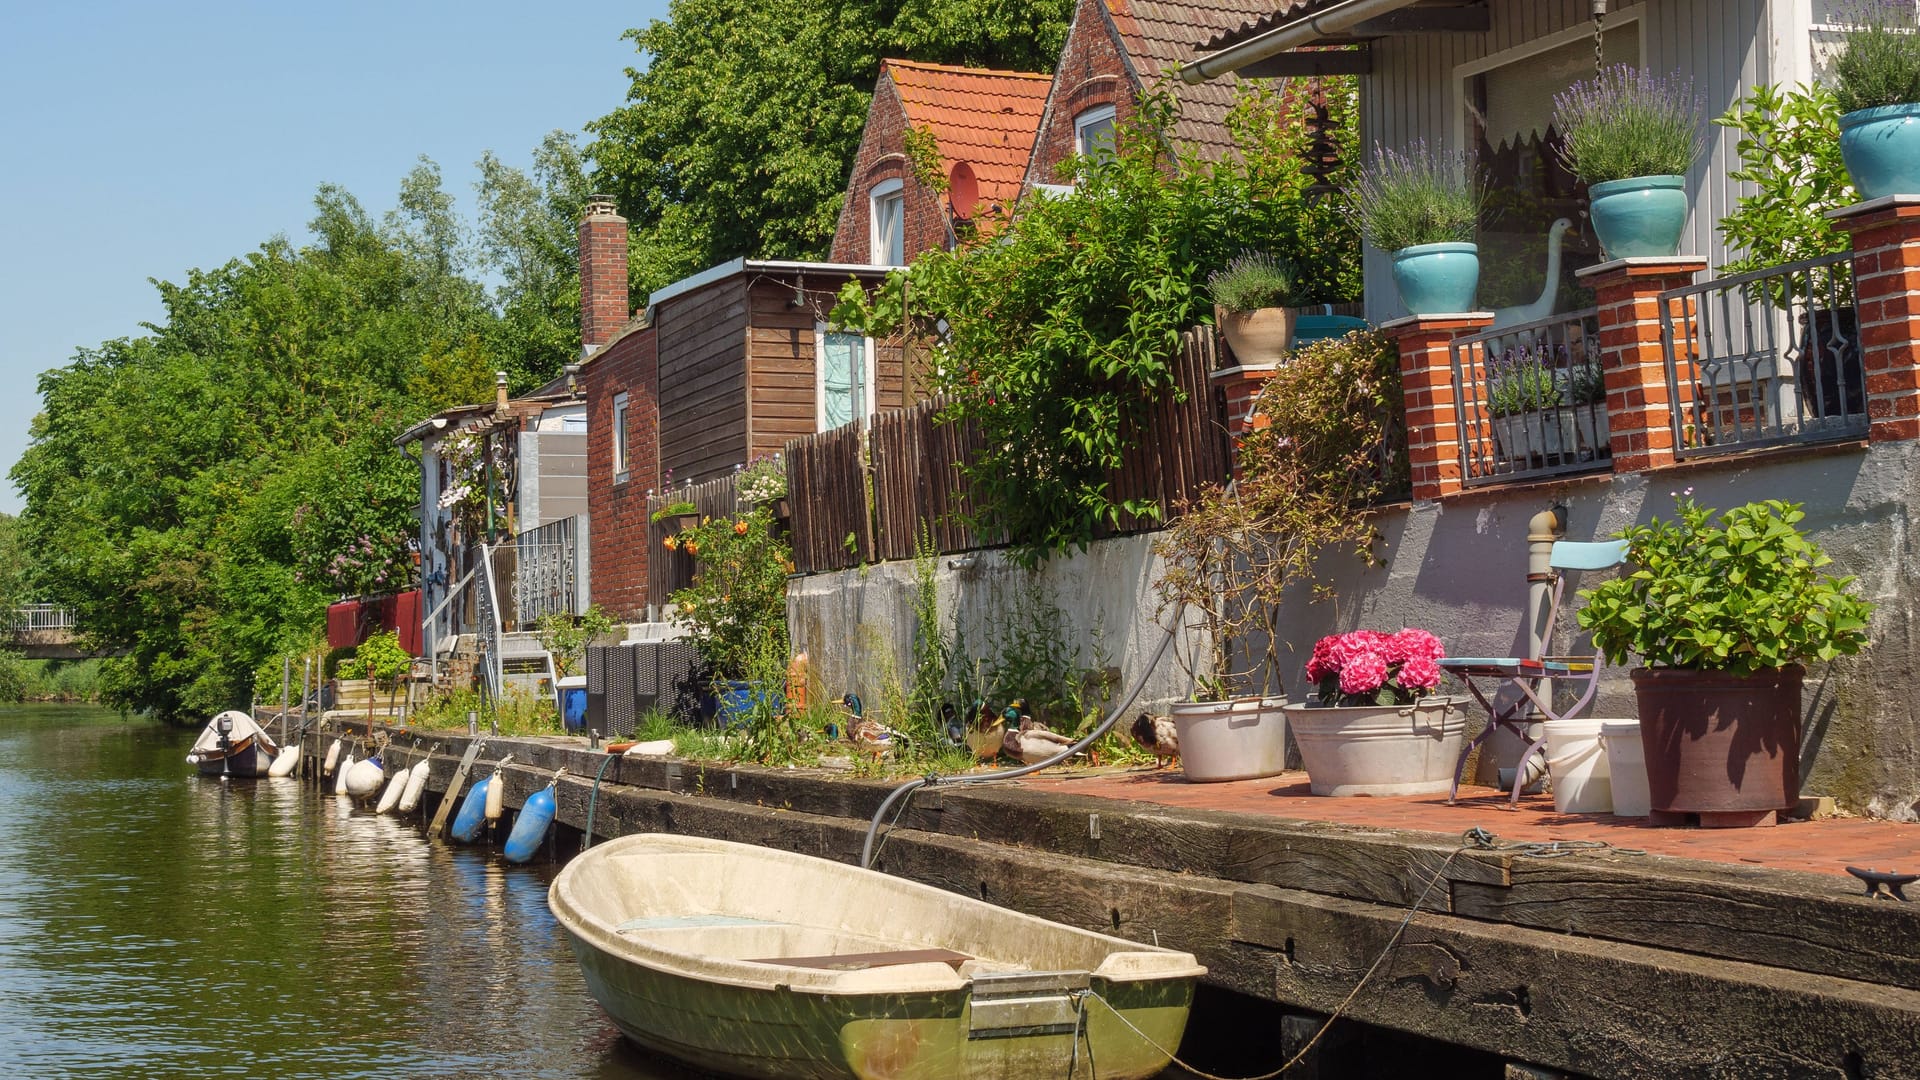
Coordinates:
[1535,679]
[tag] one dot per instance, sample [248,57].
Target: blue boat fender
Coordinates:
[536,819]
[472,816]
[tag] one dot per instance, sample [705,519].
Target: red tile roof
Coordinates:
[1159,37]
[987,119]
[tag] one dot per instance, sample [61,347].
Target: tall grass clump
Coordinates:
[1881,64]
[1625,122]
[1421,196]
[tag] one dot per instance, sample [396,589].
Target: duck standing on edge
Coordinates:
[1157,733]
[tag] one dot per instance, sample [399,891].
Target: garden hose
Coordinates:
[908,788]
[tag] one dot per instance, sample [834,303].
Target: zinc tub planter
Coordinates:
[1721,745]
[1437,279]
[1380,749]
[1881,149]
[1240,739]
[1639,217]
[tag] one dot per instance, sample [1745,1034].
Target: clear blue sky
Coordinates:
[139,140]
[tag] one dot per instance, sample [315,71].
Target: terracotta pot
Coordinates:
[1719,743]
[1256,337]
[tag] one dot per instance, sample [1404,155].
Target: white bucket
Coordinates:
[1582,783]
[1231,740]
[1627,760]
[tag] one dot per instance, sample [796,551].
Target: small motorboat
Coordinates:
[760,963]
[233,744]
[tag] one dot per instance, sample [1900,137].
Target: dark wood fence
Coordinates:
[860,497]
[668,571]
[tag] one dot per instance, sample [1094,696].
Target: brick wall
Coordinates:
[882,157]
[1092,72]
[618,512]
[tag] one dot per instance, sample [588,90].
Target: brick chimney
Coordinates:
[603,273]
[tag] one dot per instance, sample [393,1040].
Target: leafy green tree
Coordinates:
[528,239]
[739,129]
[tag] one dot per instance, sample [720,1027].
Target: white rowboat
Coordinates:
[763,963]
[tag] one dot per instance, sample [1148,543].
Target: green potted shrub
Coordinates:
[1631,137]
[1877,82]
[1722,609]
[1423,207]
[736,607]
[1250,298]
[677,516]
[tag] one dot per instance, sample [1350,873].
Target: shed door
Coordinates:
[846,386]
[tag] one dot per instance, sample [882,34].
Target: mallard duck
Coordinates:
[985,731]
[1157,733]
[950,724]
[870,735]
[1032,743]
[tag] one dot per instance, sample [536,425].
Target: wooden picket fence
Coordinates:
[860,496]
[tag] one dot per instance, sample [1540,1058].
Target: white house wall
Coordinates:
[1727,46]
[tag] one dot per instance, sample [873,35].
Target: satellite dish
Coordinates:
[963,190]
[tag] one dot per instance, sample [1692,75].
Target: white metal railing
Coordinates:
[39,618]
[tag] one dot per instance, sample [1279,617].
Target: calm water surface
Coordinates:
[155,924]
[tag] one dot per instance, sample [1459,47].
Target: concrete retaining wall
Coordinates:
[1458,568]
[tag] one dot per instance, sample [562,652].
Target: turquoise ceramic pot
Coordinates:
[1640,216]
[1882,150]
[1437,279]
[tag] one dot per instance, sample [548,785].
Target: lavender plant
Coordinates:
[1625,122]
[1421,196]
[1251,281]
[1881,64]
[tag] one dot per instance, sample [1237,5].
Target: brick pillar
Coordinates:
[1241,387]
[1632,359]
[1886,290]
[603,273]
[1426,382]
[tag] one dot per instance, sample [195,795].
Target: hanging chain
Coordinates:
[1599,36]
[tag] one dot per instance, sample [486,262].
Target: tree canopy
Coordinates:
[740,127]
[191,492]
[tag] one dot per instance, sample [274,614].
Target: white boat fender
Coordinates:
[497,791]
[333,759]
[340,775]
[416,784]
[396,784]
[288,761]
[364,778]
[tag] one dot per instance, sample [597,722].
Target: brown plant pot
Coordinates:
[1256,337]
[1718,743]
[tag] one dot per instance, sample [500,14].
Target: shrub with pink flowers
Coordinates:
[1368,667]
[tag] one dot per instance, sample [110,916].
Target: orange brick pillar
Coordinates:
[1241,387]
[1426,383]
[1633,361]
[1886,290]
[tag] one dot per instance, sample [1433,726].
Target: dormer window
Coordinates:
[889,204]
[1093,131]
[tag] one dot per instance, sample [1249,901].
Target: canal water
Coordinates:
[155,924]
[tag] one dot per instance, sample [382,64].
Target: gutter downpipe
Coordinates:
[1281,38]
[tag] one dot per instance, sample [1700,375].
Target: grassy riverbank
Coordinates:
[48,680]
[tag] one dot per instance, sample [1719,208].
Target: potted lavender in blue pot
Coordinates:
[1631,137]
[1424,207]
[1877,82]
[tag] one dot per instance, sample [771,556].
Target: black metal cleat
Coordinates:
[1884,884]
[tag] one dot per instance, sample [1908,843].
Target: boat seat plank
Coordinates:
[678,922]
[863,961]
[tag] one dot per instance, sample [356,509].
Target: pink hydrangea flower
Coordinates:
[1363,674]
[1419,673]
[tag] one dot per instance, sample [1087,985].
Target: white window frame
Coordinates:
[869,369]
[1086,118]
[620,463]
[887,191]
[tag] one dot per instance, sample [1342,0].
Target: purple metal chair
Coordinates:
[1535,678]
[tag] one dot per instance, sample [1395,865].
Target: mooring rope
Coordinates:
[1474,839]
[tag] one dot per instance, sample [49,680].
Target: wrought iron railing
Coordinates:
[1765,358]
[546,570]
[1529,400]
[39,618]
